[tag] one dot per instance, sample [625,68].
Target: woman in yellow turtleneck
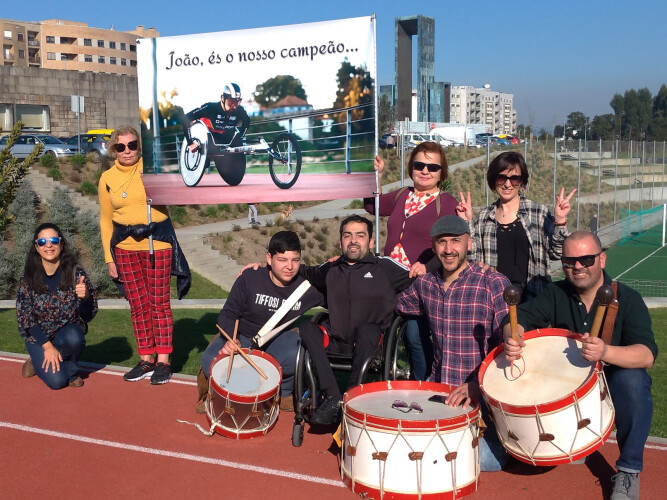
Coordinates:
[123,210]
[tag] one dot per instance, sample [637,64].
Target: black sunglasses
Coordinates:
[515,180]
[432,167]
[584,260]
[132,146]
[54,240]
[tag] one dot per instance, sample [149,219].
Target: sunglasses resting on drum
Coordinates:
[405,407]
[584,260]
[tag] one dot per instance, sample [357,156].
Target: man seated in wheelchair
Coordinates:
[360,291]
[227,119]
[254,297]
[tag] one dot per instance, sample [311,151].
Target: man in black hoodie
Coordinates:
[360,291]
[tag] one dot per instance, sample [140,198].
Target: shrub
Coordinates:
[324,230]
[48,161]
[268,223]
[54,172]
[320,237]
[97,175]
[322,246]
[91,157]
[310,243]
[308,228]
[307,260]
[211,211]
[263,231]
[227,238]
[355,205]
[316,219]
[303,235]
[78,162]
[88,188]
[240,251]
[279,220]
[62,211]
[179,214]
[236,228]
[224,207]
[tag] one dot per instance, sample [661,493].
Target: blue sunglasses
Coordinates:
[55,240]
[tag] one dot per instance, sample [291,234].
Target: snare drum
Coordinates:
[248,405]
[395,451]
[558,410]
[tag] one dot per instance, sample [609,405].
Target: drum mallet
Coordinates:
[231,355]
[512,296]
[243,354]
[604,296]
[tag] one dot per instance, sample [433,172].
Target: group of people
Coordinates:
[445,269]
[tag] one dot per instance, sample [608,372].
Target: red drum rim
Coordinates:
[361,488]
[398,423]
[549,406]
[240,398]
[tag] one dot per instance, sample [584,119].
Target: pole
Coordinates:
[488,160]
[578,181]
[615,179]
[653,171]
[553,201]
[599,183]
[631,181]
[641,196]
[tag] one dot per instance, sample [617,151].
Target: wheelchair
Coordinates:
[388,362]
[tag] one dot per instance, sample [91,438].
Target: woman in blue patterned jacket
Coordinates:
[54,303]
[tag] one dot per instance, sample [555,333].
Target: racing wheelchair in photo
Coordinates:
[388,362]
[284,156]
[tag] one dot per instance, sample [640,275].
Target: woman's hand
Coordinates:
[228,348]
[417,269]
[52,358]
[464,208]
[113,271]
[252,265]
[562,207]
[81,290]
[379,164]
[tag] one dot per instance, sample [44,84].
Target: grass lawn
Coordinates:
[110,341]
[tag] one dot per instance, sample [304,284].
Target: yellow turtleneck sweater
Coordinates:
[129,209]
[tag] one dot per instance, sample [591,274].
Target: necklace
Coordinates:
[126,184]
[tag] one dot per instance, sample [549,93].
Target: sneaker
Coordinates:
[142,370]
[626,486]
[162,374]
[328,413]
[77,382]
[28,370]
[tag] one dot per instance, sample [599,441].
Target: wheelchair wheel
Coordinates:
[193,165]
[285,160]
[396,361]
[297,432]
[231,168]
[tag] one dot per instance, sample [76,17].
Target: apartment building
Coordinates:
[483,105]
[70,45]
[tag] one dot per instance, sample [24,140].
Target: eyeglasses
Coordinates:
[404,407]
[515,180]
[54,240]
[584,260]
[432,167]
[132,146]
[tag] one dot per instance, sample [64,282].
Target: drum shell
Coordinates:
[399,476]
[557,431]
[230,410]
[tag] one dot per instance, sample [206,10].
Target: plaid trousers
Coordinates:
[147,291]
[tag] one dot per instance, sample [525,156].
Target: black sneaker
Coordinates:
[328,413]
[162,374]
[142,370]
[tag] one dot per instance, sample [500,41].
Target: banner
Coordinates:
[285,113]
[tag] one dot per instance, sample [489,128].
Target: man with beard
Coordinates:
[465,309]
[571,304]
[360,291]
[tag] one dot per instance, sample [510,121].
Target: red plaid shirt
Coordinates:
[465,319]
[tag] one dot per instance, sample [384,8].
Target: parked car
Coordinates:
[383,144]
[96,144]
[514,140]
[411,140]
[499,141]
[53,146]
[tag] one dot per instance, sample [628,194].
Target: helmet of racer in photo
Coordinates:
[232,91]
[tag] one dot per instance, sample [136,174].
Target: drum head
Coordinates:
[244,379]
[379,404]
[552,367]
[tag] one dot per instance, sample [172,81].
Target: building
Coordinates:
[70,45]
[44,65]
[472,105]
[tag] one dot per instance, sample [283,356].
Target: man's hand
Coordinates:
[193,147]
[417,269]
[513,348]
[252,265]
[463,394]
[593,348]
[228,348]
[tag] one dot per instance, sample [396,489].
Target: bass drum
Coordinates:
[231,168]
[193,165]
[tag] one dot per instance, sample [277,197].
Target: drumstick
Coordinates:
[512,296]
[604,296]
[231,355]
[243,354]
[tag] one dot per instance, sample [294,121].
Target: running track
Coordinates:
[112,438]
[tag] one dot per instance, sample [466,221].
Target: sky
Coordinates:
[555,57]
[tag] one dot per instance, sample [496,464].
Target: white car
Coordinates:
[53,146]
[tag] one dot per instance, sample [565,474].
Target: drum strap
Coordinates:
[610,316]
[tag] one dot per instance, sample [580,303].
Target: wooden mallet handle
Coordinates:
[231,356]
[512,296]
[604,296]
[243,354]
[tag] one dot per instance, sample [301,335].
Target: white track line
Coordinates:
[649,446]
[173,454]
[632,267]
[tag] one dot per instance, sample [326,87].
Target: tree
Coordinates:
[355,90]
[603,127]
[577,123]
[12,173]
[386,115]
[618,105]
[657,130]
[274,89]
